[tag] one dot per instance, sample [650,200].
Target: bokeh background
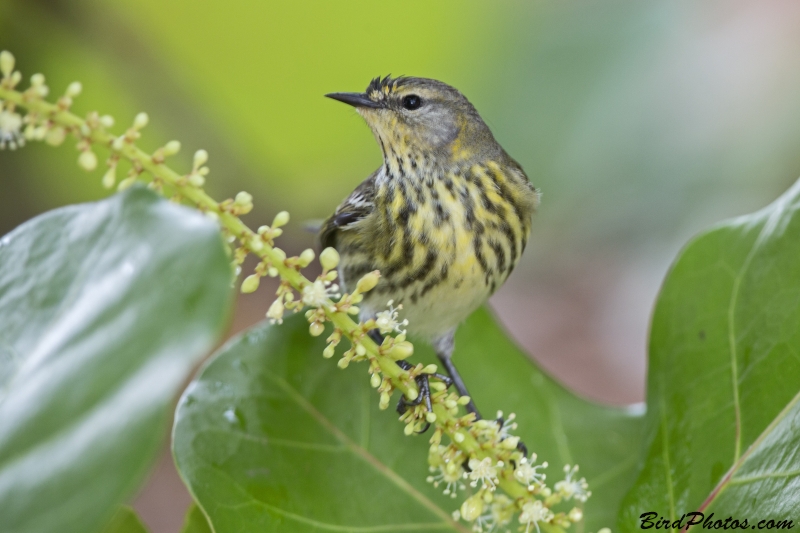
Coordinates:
[642,123]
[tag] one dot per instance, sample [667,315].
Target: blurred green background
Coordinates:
[642,123]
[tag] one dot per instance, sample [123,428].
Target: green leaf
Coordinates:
[125,520]
[722,428]
[195,521]
[272,437]
[105,308]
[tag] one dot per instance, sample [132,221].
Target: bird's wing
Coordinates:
[355,208]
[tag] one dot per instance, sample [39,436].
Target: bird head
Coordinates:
[421,116]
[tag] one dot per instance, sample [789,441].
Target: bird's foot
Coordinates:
[424,395]
[501,422]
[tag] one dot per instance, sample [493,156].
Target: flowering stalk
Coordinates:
[479,453]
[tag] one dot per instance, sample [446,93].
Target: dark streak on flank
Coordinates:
[500,254]
[477,246]
[508,231]
[421,272]
[436,280]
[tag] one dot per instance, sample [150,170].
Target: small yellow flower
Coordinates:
[573,488]
[528,474]
[387,320]
[449,475]
[533,513]
[484,472]
[318,293]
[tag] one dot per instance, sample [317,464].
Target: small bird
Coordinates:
[445,218]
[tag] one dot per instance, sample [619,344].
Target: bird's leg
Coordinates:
[444,347]
[422,384]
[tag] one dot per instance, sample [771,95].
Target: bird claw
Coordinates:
[522,448]
[424,388]
[444,379]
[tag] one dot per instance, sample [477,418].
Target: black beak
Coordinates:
[354,99]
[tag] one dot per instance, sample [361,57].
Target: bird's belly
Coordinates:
[435,304]
[447,305]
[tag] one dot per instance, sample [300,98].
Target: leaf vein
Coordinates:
[370,459]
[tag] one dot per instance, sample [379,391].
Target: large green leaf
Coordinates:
[272,437]
[195,521]
[104,308]
[722,425]
[125,520]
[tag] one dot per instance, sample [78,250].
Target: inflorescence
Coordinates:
[479,458]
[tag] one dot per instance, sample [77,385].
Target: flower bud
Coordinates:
[329,258]
[243,198]
[281,255]
[110,177]
[463,400]
[510,443]
[256,244]
[6,63]
[368,281]
[375,381]
[430,369]
[275,312]
[250,283]
[430,417]
[200,158]
[316,329]
[140,121]
[472,508]
[412,393]
[37,80]
[74,89]
[458,437]
[55,136]
[576,515]
[196,180]
[281,219]
[126,183]
[172,148]
[306,257]
[87,160]
[327,353]
[383,403]
[107,121]
[401,350]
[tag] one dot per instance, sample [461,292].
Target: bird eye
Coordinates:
[412,102]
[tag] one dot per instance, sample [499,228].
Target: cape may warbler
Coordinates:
[445,218]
